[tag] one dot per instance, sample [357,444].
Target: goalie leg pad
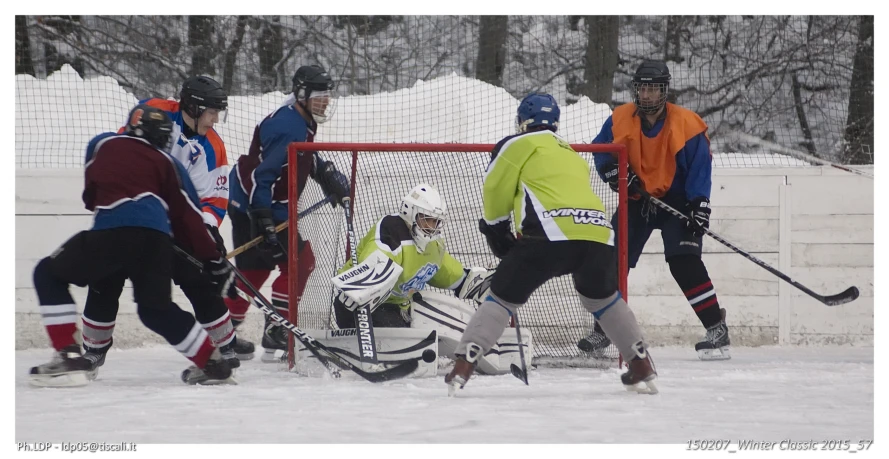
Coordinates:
[488,323]
[617,320]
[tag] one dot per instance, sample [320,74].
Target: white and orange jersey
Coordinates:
[205,159]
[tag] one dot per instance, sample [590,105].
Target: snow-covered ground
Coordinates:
[764,393]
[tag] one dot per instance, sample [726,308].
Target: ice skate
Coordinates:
[244,350]
[217,371]
[274,339]
[598,346]
[96,357]
[716,343]
[67,368]
[641,375]
[463,369]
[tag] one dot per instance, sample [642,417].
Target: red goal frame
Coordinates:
[293,199]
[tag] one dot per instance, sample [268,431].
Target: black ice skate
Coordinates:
[641,375]
[67,368]
[244,349]
[598,346]
[716,343]
[217,371]
[274,339]
[463,368]
[96,357]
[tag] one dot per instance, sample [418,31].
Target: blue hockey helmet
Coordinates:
[537,110]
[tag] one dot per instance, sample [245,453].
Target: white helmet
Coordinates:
[424,211]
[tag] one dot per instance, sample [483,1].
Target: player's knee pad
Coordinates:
[50,290]
[488,323]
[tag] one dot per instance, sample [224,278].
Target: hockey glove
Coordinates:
[611,174]
[698,211]
[499,236]
[263,225]
[221,275]
[220,244]
[333,182]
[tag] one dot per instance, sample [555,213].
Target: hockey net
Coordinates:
[381,174]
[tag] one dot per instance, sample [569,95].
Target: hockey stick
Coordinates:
[367,346]
[321,352]
[798,154]
[521,373]
[848,295]
[278,229]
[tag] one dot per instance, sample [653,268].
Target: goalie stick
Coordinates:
[848,295]
[321,352]
[367,346]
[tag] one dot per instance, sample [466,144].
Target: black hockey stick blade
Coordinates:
[518,373]
[847,296]
[390,374]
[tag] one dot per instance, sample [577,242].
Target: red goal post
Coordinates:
[380,174]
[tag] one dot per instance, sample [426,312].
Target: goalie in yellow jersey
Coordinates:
[411,239]
[536,176]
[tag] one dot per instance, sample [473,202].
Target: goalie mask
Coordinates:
[424,211]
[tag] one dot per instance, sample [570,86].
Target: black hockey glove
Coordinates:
[220,244]
[220,272]
[698,211]
[499,236]
[333,182]
[611,174]
[263,225]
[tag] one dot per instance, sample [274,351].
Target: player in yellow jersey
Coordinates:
[563,229]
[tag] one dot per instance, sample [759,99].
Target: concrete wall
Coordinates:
[814,224]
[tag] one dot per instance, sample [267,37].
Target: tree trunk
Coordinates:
[492,33]
[673,42]
[231,54]
[200,39]
[271,51]
[601,57]
[859,136]
[23,62]
[801,115]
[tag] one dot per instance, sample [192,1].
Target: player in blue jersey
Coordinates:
[258,197]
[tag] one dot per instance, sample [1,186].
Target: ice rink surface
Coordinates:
[765,393]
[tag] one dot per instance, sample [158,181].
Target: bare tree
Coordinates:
[859,133]
[200,39]
[23,63]
[492,32]
[601,57]
[231,54]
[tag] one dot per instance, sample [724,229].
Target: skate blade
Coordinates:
[456,383]
[92,374]
[219,382]
[644,387]
[721,353]
[71,379]
[244,357]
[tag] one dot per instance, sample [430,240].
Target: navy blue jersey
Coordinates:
[129,182]
[259,179]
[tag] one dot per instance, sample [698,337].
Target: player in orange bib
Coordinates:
[669,156]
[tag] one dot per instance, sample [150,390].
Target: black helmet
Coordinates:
[310,79]
[200,93]
[150,123]
[655,74]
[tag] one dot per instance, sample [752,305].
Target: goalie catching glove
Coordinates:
[369,283]
[476,285]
